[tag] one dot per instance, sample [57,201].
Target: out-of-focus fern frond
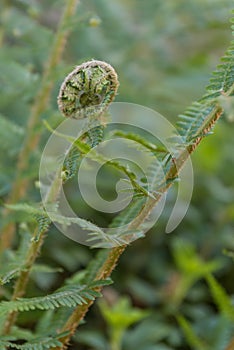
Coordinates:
[11,136]
[192,339]
[221,299]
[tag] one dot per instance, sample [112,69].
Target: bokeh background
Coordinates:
[164,52]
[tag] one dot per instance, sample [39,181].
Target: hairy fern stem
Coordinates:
[115,253]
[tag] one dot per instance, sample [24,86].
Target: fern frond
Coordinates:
[20,333]
[43,223]
[223,77]
[28,208]
[52,320]
[116,238]
[71,164]
[44,220]
[84,224]
[42,343]
[156,173]
[155,178]
[85,149]
[118,233]
[69,296]
[94,265]
[32,212]
[131,176]
[96,234]
[193,122]
[190,123]
[12,271]
[128,214]
[95,135]
[221,299]
[14,261]
[139,139]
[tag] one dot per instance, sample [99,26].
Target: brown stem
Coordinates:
[80,312]
[31,141]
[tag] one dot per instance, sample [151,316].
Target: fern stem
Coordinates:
[41,101]
[114,254]
[80,312]
[22,280]
[34,250]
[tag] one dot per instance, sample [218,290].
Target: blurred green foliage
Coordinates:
[163,52]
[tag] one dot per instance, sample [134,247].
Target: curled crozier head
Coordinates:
[90,87]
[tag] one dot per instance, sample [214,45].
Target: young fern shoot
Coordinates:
[196,123]
[105,84]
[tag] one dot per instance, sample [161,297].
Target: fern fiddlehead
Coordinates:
[86,92]
[93,83]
